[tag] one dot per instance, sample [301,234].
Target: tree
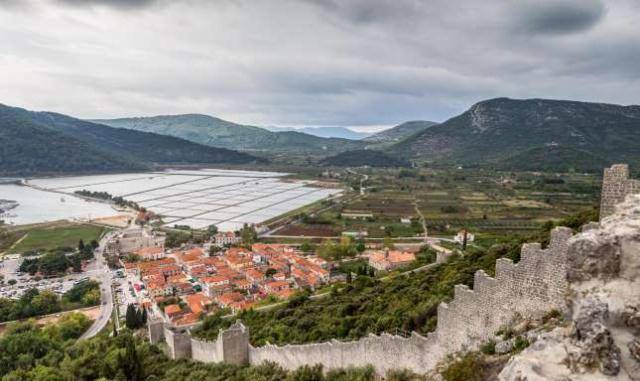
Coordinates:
[306,247]
[81,246]
[248,234]
[131,317]
[213,229]
[131,364]
[388,243]
[270,272]
[94,244]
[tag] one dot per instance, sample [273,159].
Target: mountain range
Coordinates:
[326,132]
[215,132]
[530,134]
[501,133]
[50,143]
[399,132]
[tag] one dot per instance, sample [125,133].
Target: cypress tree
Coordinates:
[131,318]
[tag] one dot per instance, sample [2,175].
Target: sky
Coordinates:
[366,63]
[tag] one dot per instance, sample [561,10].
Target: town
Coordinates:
[182,285]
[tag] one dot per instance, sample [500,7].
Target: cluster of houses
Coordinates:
[192,282]
[188,282]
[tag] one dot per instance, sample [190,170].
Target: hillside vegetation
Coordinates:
[361,158]
[531,134]
[53,353]
[399,132]
[216,132]
[50,143]
[368,305]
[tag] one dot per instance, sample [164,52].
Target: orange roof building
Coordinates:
[390,259]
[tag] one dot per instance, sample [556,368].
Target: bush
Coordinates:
[467,368]
[488,348]
[520,344]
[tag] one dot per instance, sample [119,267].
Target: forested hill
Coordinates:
[49,143]
[362,158]
[216,132]
[531,134]
[399,132]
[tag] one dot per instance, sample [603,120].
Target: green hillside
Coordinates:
[49,143]
[531,134]
[361,158]
[399,132]
[216,132]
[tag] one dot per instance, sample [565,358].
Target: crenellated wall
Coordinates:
[232,346]
[616,185]
[532,287]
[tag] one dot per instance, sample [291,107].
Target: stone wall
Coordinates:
[616,185]
[530,288]
[178,342]
[232,346]
[419,353]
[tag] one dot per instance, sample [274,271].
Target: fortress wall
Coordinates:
[531,288]
[206,351]
[232,346]
[384,352]
[616,185]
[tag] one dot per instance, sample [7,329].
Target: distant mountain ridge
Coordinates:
[51,143]
[326,132]
[399,132]
[531,134]
[215,132]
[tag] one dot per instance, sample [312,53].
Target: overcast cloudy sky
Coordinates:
[313,62]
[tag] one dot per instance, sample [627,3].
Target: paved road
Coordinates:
[103,275]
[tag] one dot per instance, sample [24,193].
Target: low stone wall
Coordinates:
[384,352]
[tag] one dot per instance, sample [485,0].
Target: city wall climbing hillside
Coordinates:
[531,287]
[616,185]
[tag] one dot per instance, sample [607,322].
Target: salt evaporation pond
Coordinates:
[198,198]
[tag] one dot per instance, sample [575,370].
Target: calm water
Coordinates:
[40,206]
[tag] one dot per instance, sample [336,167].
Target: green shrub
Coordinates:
[520,344]
[488,348]
[467,368]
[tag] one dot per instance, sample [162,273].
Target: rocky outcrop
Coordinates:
[602,338]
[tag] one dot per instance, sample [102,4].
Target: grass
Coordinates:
[43,239]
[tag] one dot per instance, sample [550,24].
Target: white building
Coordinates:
[459,238]
[226,238]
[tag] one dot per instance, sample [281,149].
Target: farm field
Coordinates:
[48,238]
[482,201]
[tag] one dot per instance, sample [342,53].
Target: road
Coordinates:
[103,275]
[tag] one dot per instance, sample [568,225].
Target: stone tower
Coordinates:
[616,185]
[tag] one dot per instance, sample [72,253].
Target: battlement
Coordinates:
[616,185]
[529,288]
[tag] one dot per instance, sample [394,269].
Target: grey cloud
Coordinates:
[121,4]
[560,16]
[289,62]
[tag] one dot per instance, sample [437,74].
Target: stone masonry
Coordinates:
[529,288]
[616,185]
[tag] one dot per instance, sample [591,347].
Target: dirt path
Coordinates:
[14,245]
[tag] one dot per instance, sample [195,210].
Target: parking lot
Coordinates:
[9,270]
